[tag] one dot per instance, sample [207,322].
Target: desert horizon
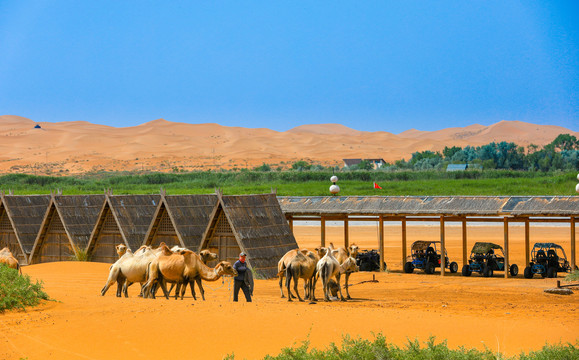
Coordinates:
[69,148]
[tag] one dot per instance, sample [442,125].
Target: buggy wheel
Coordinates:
[408,267]
[453,267]
[466,270]
[429,268]
[514,270]
[487,271]
[528,273]
[365,266]
[552,272]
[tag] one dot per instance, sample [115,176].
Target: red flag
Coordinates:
[376,186]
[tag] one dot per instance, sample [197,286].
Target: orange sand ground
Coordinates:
[509,316]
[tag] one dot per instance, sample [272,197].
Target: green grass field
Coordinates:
[302,183]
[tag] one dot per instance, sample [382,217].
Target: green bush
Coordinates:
[573,276]
[378,349]
[17,291]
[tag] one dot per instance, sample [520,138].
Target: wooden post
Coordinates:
[323,231]
[506,246]
[442,247]
[527,243]
[290,221]
[573,248]
[464,248]
[403,241]
[381,241]
[346,233]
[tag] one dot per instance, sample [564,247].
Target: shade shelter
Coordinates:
[253,224]
[439,209]
[66,227]
[181,220]
[20,220]
[123,219]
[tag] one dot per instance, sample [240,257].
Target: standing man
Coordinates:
[239,282]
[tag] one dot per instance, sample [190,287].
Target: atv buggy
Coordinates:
[547,259]
[369,260]
[426,256]
[485,259]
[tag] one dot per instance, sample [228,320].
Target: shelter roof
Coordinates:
[190,215]
[26,213]
[134,214]
[431,205]
[79,214]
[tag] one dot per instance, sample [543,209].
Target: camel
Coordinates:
[132,268]
[304,267]
[206,256]
[328,267]
[284,261]
[7,258]
[182,268]
[342,254]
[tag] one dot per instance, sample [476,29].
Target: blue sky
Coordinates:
[369,65]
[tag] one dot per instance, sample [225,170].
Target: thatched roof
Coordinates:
[133,214]
[431,205]
[79,214]
[26,213]
[190,215]
[260,228]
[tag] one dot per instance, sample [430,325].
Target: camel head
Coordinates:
[6,250]
[321,251]
[349,266]
[353,249]
[225,268]
[207,256]
[121,249]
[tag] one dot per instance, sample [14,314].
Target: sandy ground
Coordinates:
[506,315]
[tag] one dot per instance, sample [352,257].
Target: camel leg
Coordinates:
[171,289]
[347,290]
[161,281]
[342,298]
[296,279]
[200,286]
[177,290]
[313,287]
[114,274]
[126,288]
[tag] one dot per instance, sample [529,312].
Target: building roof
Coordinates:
[190,215]
[26,213]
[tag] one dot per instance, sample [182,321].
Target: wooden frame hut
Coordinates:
[123,219]
[20,220]
[253,224]
[440,209]
[181,220]
[66,227]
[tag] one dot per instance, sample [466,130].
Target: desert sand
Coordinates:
[506,315]
[66,148]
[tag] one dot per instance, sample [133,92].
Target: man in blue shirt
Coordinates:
[239,282]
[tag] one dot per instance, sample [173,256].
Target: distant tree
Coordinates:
[365,165]
[449,152]
[565,142]
[263,167]
[301,165]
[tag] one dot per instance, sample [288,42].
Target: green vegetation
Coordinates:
[304,183]
[81,254]
[573,276]
[380,349]
[17,291]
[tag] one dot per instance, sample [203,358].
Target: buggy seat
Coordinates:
[541,257]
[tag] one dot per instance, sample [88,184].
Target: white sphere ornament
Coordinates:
[576,188]
[334,189]
[335,178]
[577,176]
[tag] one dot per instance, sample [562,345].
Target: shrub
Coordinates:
[80,255]
[573,276]
[17,291]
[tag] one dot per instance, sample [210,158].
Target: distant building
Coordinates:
[37,126]
[376,163]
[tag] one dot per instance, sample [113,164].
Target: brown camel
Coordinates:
[284,261]
[7,258]
[206,256]
[328,267]
[304,267]
[182,268]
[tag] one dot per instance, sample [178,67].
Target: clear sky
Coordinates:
[369,65]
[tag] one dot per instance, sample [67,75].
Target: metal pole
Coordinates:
[442,247]
[381,245]
[506,247]
[464,254]
[403,241]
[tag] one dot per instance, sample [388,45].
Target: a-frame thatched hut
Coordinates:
[181,220]
[20,220]
[254,224]
[66,227]
[123,219]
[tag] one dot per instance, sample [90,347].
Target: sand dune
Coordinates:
[161,145]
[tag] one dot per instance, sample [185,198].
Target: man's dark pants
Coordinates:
[240,284]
